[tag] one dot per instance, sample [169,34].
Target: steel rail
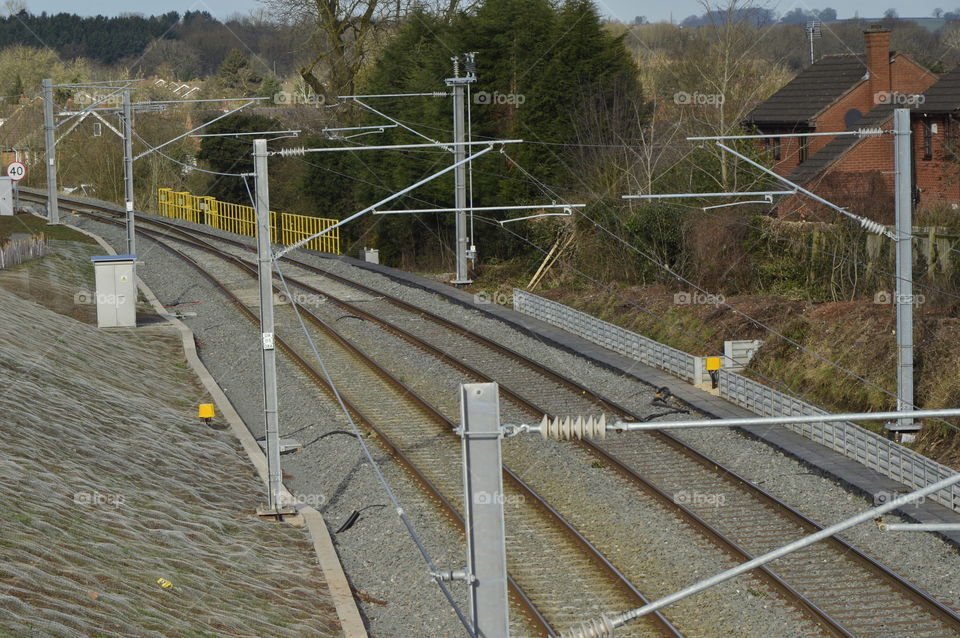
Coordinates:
[920,597]
[448,426]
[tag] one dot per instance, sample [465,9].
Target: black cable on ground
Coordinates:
[329,434]
[354,517]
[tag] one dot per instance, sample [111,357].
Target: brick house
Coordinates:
[839,93]
[936,132]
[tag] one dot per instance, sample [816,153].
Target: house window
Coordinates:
[927,140]
[803,149]
[777,151]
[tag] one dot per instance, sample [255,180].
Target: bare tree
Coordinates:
[344,33]
[722,75]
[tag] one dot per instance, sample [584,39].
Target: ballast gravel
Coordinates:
[396,595]
[390,581]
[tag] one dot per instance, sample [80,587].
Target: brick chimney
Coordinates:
[877,44]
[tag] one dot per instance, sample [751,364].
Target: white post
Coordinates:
[265,276]
[460,174]
[128,172]
[50,142]
[904,284]
[483,505]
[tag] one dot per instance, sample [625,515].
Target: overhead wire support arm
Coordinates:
[96,83]
[475,208]
[197,128]
[693,195]
[766,200]
[397,122]
[917,527]
[566,427]
[868,224]
[387,95]
[298,151]
[298,131]
[374,127]
[383,201]
[201,100]
[872,131]
[566,213]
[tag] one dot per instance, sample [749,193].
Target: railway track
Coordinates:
[423,439]
[841,589]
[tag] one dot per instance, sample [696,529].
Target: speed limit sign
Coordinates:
[16,171]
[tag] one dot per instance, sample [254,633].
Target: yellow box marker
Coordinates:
[206,411]
[713,363]
[163,582]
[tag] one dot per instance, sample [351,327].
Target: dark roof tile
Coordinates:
[811,91]
[942,97]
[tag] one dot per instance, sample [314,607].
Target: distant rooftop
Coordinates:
[815,88]
[944,96]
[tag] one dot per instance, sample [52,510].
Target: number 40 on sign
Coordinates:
[16,171]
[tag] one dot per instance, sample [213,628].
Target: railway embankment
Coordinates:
[120,512]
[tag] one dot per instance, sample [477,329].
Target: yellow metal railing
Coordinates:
[298,227]
[242,220]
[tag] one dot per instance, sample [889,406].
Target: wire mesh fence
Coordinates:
[869,448]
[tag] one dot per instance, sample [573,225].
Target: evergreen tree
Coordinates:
[584,66]
[539,68]
[232,154]
[237,75]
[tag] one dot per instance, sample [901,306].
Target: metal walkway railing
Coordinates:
[242,220]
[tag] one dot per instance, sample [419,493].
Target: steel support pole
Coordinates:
[128,173]
[483,505]
[50,142]
[460,182]
[265,278]
[904,285]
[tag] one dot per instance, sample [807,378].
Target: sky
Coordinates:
[624,10]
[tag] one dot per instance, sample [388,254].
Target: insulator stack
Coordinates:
[569,428]
[872,131]
[872,226]
[600,628]
[290,152]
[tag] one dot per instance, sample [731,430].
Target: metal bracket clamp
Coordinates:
[454,574]
[510,430]
[463,434]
